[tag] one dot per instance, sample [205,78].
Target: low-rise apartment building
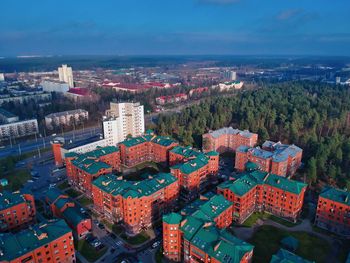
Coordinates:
[137,205]
[63,207]
[195,170]
[66,118]
[82,169]
[17,210]
[197,234]
[333,211]
[228,139]
[263,192]
[276,158]
[46,242]
[148,147]
[19,129]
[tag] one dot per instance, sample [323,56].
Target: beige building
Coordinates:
[19,129]
[65,74]
[65,118]
[123,119]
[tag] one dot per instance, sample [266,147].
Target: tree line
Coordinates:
[311,115]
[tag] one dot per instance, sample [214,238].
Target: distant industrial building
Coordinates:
[65,118]
[65,74]
[54,86]
[2,77]
[123,119]
[7,117]
[19,129]
[171,99]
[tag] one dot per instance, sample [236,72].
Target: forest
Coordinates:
[314,116]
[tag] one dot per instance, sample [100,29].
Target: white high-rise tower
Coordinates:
[65,74]
[123,119]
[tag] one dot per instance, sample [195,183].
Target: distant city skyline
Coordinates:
[183,27]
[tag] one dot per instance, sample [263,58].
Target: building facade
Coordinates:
[194,170]
[7,117]
[263,192]
[82,169]
[17,210]
[129,119]
[148,147]
[171,99]
[65,74]
[228,140]
[66,118]
[137,205]
[333,211]
[276,158]
[47,242]
[197,234]
[19,129]
[63,207]
[54,86]
[283,256]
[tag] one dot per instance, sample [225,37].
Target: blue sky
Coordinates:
[139,27]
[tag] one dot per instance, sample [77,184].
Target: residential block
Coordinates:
[276,158]
[198,234]
[137,205]
[228,139]
[47,242]
[263,192]
[17,210]
[63,207]
[333,211]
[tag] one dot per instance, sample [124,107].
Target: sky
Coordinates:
[175,27]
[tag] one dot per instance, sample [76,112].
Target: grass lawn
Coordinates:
[135,240]
[63,186]
[84,201]
[116,229]
[264,216]
[73,193]
[88,251]
[267,242]
[16,179]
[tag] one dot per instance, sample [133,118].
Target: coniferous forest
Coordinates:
[314,116]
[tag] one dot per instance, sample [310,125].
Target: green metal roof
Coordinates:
[73,216]
[172,218]
[53,193]
[248,180]
[192,165]
[134,141]
[186,152]
[71,154]
[161,140]
[285,256]
[113,185]
[337,195]
[102,151]
[89,165]
[8,199]
[207,209]
[15,245]
[212,153]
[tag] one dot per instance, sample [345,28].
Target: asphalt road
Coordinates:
[40,143]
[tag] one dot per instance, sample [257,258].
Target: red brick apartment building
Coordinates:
[148,147]
[197,234]
[261,191]
[82,169]
[17,210]
[228,140]
[49,242]
[194,170]
[63,207]
[333,211]
[136,204]
[276,158]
